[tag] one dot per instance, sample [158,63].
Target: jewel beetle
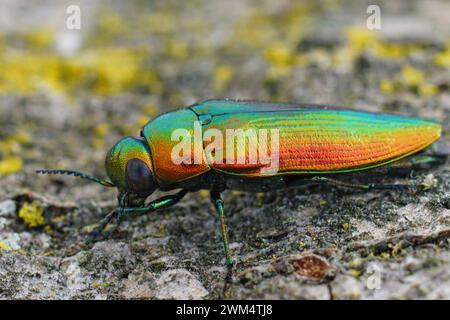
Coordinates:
[315,144]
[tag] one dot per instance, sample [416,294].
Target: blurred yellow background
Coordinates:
[132,60]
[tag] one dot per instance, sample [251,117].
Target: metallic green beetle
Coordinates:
[313,144]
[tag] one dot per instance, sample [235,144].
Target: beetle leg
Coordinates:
[157,204]
[218,203]
[99,231]
[370,186]
[118,213]
[115,214]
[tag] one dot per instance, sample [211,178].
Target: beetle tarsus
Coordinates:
[163,202]
[373,186]
[228,281]
[99,233]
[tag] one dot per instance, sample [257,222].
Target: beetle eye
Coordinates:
[139,177]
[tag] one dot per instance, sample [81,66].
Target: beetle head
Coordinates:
[129,166]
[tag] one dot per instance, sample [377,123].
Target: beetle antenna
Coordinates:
[78,174]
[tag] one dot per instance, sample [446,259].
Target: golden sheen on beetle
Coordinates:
[314,144]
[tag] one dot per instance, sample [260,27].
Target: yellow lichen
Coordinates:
[22,137]
[442,59]
[103,71]
[428,90]
[4,246]
[32,214]
[204,194]
[386,86]
[412,76]
[161,232]
[58,219]
[360,38]
[397,248]
[10,164]
[260,196]
[355,272]
[98,143]
[345,226]
[101,129]
[222,76]
[112,22]
[279,55]
[383,49]
[115,69]
[385,255]
[98,284]
[49,253]
[356,262]
[142,121]
[9,145]
[40,38]
[48,230]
